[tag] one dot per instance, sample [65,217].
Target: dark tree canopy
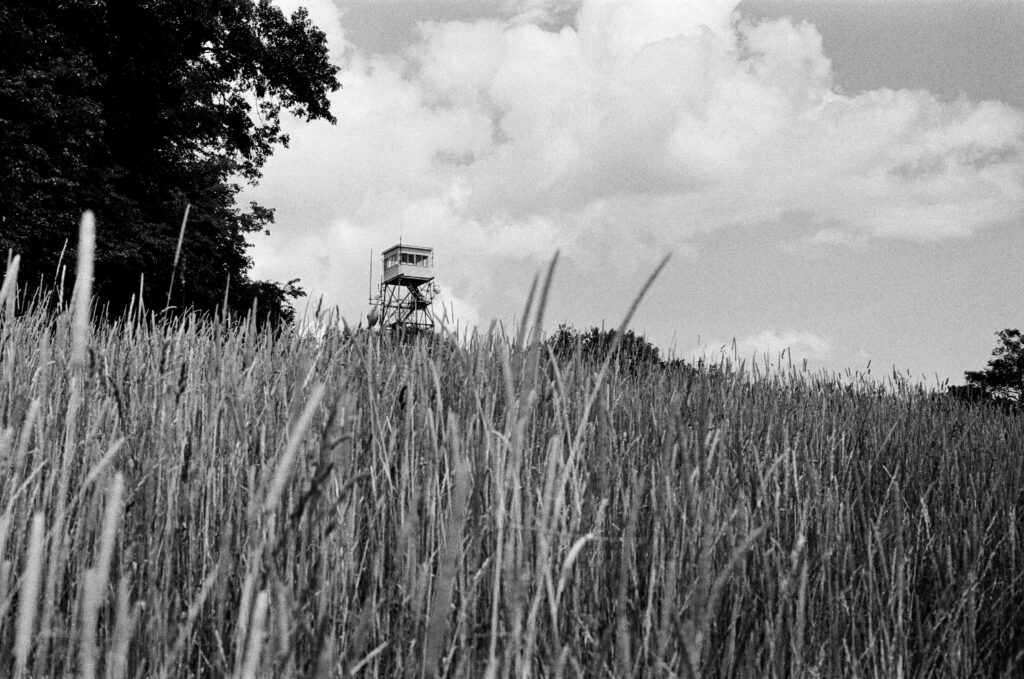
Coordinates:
[135,109]
[633,352]
[1003,379]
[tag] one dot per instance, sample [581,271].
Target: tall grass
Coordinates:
[190,497]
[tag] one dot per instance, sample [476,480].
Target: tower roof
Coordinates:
[406,246]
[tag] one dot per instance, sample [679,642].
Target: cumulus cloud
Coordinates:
[633,129]
[454,313]
[795,345]
[544,12]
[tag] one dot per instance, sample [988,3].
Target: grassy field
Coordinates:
[194,498]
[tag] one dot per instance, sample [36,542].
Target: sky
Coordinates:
[841,179]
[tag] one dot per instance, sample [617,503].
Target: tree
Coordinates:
[135,109]
[1004,377]
[633,352]
[967,393]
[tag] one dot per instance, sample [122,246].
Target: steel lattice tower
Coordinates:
[407,288]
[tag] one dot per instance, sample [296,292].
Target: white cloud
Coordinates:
[799,344]
[541,11]
[824,239]
[794,345]
[642,125]
[455,314]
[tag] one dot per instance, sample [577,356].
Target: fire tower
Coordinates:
[407,288]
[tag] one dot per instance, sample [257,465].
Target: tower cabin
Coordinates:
[408,264]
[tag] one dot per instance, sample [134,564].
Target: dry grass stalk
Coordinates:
[257,629]
[9,289]
[177,256]
[82,297]
[451,555]
[28,596]
[95,581]
[283,470]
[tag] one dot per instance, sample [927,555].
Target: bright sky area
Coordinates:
[845,179]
